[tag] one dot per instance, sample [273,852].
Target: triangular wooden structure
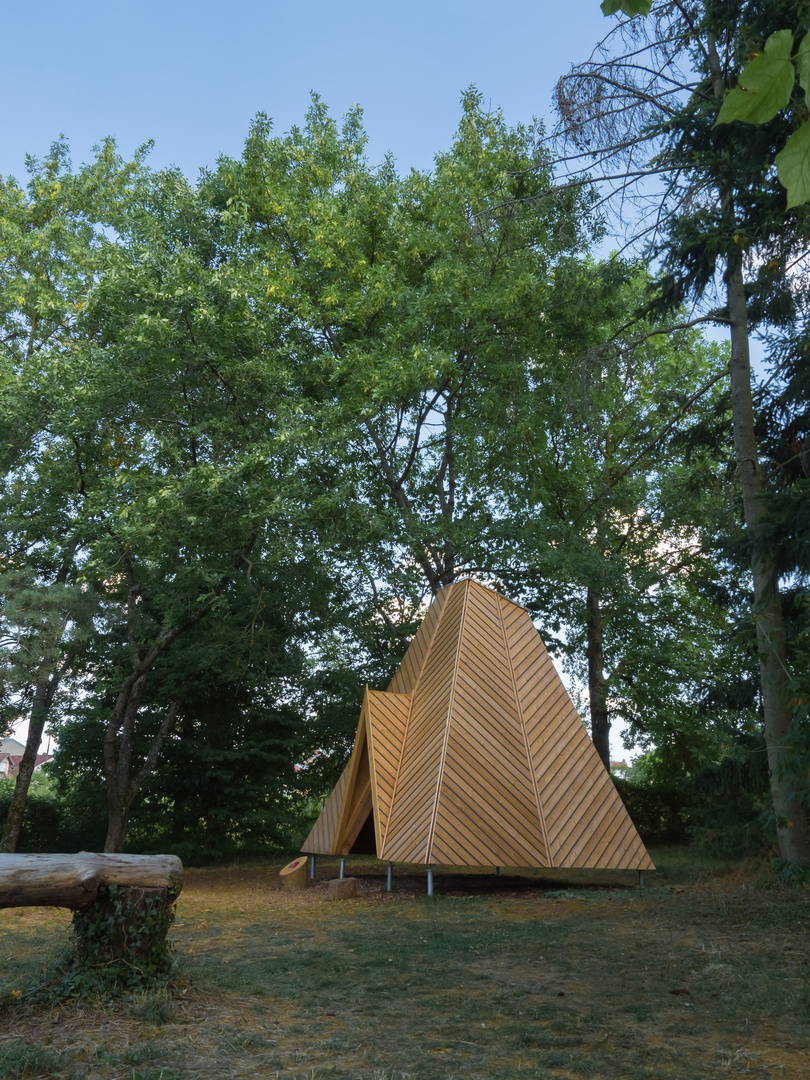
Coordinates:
[476,756]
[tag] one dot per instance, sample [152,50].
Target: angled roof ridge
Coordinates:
[489,589]
[410,694]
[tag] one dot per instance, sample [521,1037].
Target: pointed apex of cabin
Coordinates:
[476,756]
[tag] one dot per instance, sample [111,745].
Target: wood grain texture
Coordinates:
[475,755]
[414,660]
[414,797]
[72,881]
[295,875]
[387,723]
[341,889]
[323,838]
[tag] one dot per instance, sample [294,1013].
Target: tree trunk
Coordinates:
[44,693]
[121,785]
[295,875]
[43,699]
[792,824]
[36,726]
[117,821]
[792,827]
[122,792]
[597,684]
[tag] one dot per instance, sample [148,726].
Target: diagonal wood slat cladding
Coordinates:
[487,782]
[586,822]
[405,679]
[322,840]
[475,755]
[414,799]
[387,720]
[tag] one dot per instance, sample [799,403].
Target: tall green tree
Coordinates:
[163,440]
[417,305]
[445,363]
[607,507]
[206,482]
[646,105]
[53,235]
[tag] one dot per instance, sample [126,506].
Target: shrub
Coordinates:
[41,819]
[657,808]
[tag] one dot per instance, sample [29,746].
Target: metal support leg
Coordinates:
[390,876]
[342,864]
[430,881]
[641,879]
[497,871]
[312,867]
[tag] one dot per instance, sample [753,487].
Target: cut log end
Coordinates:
[294,876]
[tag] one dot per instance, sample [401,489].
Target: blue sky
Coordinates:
[192,75]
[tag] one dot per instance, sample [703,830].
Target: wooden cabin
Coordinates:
[476,756]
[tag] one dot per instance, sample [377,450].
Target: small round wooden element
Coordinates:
[294,877]
[342,888]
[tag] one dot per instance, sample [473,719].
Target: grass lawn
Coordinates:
[702,973]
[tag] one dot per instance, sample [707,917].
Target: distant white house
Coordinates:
[11,753]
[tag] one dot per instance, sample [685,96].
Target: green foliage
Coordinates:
[42,819]
[727,801]
[282,405]
[627,7]
[159,460]
[717,803]
[764,88]
[793,165]
[415,301]
[765,85]
[657,809]
[612,511]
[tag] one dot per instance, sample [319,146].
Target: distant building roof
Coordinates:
[10,763]
[11,746]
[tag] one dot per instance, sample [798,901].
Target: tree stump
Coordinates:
[294,876]
[123,908]
[342,888]
[128,924]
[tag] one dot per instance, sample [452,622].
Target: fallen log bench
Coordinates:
[73,881]
[123,907]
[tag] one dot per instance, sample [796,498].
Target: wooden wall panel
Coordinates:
[322,840]
[388,720]
[487,800]
[414,798]
[408,675]
[585,820]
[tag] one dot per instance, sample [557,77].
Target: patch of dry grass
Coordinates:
[701,974]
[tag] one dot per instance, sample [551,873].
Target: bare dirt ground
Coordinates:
[494,978]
